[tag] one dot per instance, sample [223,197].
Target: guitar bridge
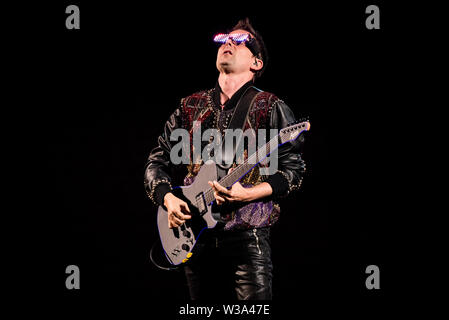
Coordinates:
[201,203]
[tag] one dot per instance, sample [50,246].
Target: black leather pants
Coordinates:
[231,265]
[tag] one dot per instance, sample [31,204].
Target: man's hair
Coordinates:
[245,24]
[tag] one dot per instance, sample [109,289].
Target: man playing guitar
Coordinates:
[235,256]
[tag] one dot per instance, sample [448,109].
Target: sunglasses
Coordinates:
[236,38]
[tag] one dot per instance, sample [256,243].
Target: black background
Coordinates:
[109,88]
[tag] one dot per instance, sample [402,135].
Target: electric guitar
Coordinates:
[179,243]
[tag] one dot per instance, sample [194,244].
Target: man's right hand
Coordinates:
[178,210]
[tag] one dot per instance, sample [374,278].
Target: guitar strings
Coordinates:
[245,167]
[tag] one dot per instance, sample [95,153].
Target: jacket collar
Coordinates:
[231,103]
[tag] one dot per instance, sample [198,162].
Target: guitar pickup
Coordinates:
[201,203]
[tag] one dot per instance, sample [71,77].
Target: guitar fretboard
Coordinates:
[238,172]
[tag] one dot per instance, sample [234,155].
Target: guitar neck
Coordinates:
[242,169]
[289,133]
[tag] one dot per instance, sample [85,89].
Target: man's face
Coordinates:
[232,57]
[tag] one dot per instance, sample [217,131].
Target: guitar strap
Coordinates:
[237,122]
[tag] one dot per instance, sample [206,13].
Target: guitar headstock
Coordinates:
[293,131]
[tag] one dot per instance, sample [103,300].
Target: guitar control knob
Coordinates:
[185,247]
[186,233]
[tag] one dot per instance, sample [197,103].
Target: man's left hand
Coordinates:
[236,193]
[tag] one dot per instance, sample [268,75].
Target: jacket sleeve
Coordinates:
[291,167]
[157,177]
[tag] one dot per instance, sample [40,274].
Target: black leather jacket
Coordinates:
[160,173]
